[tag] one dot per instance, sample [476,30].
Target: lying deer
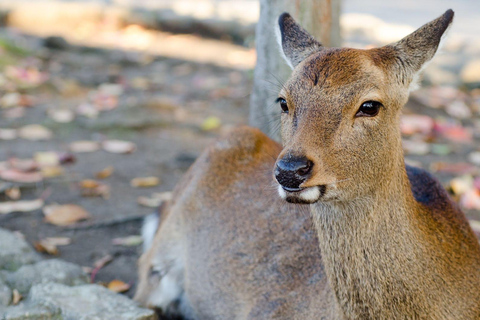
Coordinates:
[392,245]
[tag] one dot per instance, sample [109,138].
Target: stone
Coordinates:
[28,311]
[54,270]
[5,293]
[15,251]
[88,302]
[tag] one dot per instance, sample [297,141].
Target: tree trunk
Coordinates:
[320,18]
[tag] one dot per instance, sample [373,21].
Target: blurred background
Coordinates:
[105,104]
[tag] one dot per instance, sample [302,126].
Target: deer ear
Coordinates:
[419,47]
[296,43]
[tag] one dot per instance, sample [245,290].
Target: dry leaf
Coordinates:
[89,184]
[47,158]
[99,264]
[105,173]
[211,123]
[145,182]
[13,193]
[84,146]
[410,124]
[61,115]
[88,110]
[52,172]
[19,176]
[155,200]
[118,146]
[475,225]
[64,215]
[471,200]
[49,245]
[16,297]
[20,206]
[35,132]
[129,241]
[455,168]
[25,165]
[118,286]
[460,185]
[8,134]
[102,190]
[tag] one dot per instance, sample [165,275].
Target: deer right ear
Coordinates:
[296,43]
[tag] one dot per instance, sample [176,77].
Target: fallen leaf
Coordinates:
[100,190]
[105,173]
[89,184]
[470,200]
[440,149]
[99,264]
[64,215]
[20,206]
[10,99]
[211,123]
[88,110]
[118,286]
[16,297]
[19,176]
[24,165]
[52,172]
[84,146]
[49,245]
[35,132]
[456,168]
[155,200]
[129,241]
[144,182]
[410,124]
[118,146]
[475,225]
[14,113]
[61,115]
[454,132]
[474,157]
[13,193]
[415,147]
[461,185]
[458,109]
[48,158]
[8,134]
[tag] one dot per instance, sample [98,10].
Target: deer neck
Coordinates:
[371,252]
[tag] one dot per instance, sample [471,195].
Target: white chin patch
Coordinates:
[282,192]
[309,194]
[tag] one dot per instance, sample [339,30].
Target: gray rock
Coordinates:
[28,311]
[5,293]
[15,251]
[90,302]
[46,271]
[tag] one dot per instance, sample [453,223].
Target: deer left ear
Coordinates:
[419,47]
[295,42]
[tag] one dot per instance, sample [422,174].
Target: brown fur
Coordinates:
[394,246]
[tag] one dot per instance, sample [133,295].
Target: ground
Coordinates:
[170,109]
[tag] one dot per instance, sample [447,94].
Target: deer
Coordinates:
[329,225]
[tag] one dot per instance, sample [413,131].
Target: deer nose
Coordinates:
[291,172]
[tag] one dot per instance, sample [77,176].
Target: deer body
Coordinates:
[386,241]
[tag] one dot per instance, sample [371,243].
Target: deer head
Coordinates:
[340,112]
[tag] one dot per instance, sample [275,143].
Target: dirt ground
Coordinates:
[171,109]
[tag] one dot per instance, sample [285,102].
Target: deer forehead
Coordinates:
[337,78]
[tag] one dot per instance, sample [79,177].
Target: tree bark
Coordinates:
[320,18]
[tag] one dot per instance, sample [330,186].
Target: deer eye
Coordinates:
[369,109]
[283,105]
